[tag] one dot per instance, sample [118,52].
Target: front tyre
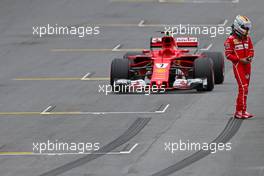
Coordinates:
[218,65]
[119,70]
[203,68]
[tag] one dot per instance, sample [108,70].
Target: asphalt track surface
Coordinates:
[197,117]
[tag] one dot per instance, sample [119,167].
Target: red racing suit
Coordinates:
[236,49]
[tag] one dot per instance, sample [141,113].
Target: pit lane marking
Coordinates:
[224,23]
[15,153]
[47,111]
[86,76]
[141,23]
[164,110]
[20,113]
[62,78]
[116,48]
[80,153]
[94,49]
[129,151]
[59,154]
[177,1]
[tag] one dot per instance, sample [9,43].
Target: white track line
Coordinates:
[224,23]
[68,153]
[116,48]
[107,112]
[60,154]
[207,48]
[48,111]
[164,110]
[45,111]
[85,76]
[141,23]
[129,151]
[99,113]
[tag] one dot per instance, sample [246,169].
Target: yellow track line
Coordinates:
[20,113]
[61,79]
[16,153]
[153,1]
[72,113]
[40,113]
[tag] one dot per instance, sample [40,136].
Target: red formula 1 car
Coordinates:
[168,65]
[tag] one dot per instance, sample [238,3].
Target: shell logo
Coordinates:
[161,70]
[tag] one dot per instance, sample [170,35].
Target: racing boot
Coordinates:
[239,115]
[247,115]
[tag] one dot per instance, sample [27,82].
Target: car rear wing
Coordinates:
[156,42]
[187,42]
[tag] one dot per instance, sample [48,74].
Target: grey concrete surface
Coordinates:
[198,117]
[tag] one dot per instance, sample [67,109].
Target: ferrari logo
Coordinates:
[161,65]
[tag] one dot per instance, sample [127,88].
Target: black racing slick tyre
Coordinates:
[119,70]
[218,65]
[203,68]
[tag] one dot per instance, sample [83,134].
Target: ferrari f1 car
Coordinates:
[169,65]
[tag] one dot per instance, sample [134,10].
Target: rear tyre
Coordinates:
[218,65]
[203,68]
[119,70]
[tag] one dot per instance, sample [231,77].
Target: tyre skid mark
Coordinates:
[229,131]
[131,132]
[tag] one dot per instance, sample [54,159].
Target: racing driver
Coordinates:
[239,50]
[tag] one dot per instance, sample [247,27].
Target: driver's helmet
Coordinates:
[241,26]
